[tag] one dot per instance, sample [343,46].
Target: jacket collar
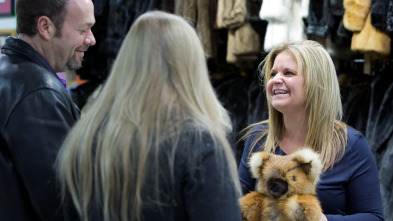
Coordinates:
[21,48]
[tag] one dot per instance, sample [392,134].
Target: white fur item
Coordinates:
[255,164]
[306,155]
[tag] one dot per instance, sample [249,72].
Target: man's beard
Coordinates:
[74,65]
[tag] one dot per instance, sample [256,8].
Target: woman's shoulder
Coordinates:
[260,126]
[255,137]
[199,141]
[357,145]
[354,136]
[258,129]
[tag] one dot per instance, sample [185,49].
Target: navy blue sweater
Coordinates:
[349,191]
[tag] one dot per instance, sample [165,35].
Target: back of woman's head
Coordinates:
[161,64]
[159,83]
[321,89]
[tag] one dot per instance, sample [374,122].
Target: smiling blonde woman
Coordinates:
[305,110]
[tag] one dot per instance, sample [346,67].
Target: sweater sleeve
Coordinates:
[247,182]
[363,198]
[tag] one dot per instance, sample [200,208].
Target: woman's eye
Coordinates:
[272,75]
[289,73]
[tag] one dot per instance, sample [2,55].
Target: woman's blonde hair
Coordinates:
[159,83]
[326,133]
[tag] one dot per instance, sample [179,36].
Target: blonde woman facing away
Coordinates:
[153,144]
[305,110]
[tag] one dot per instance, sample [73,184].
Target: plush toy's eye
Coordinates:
[293,178]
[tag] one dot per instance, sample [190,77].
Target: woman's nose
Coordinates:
[277,78]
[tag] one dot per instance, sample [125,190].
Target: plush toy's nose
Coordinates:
[277,187]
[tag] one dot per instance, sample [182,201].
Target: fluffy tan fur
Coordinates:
[286,187]
[355,14]
[231,13]
[243,44]
[371,40]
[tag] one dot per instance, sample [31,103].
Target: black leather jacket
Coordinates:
[36,112]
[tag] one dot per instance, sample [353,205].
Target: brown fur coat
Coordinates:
[199,13]
[366,38]
[243,41]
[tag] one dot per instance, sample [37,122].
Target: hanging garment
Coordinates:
[259,25]
[231,13]
[243,41]
[285,21]
[355,97]
[243,44]
[389,16]
[233,94]
[379,133]
[199,13]
[380,119]
[317,19]
[355,14]
[379,11]
[371,40]
[386,179]
[168,5]
[244,99]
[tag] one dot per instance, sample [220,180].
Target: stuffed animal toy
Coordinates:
[285,187]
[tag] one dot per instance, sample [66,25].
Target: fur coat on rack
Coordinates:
[325,19]
[243,41]
[389,18]
[285,21]
[366,38]
[199,13]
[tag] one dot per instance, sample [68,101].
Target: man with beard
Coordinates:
[36,112]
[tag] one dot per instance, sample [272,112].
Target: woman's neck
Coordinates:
[295,133]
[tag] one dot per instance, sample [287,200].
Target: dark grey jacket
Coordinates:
[201,188]
[36,113]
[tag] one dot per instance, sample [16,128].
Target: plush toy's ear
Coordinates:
[310,163]
[256,161]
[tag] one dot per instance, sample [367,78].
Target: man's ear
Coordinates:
[46,28]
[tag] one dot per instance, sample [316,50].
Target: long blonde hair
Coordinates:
[326,133]
[159,82]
